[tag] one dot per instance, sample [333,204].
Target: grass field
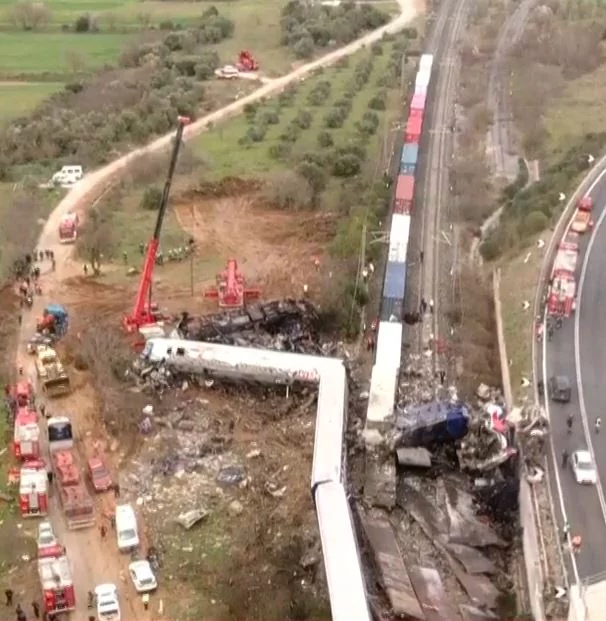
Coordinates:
[578,111]
[225,156]
[53,52]
[17,99]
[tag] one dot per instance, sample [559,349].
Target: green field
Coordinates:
[38,52]
[17,99]
[578,110]
[221,148]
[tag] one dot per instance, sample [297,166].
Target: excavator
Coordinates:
[231,290]
[145,313]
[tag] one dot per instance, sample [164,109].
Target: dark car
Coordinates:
[559,389]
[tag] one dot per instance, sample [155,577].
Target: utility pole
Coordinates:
[402,63]
[191,250]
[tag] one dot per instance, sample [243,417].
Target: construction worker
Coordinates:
[8,593]
[564,458]
[565,531]
[576,544]
[598,424]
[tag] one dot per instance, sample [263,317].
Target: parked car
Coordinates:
[47,542]
[584,468]
[108,607]
[142,576]
[99,474]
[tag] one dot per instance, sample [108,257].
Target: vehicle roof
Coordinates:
[142,569]
[106,590]
[583,456]
[562,381]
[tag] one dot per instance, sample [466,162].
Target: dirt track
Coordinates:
[94,561]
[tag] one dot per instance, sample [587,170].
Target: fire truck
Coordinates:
[562,289]
[58,593]
[68,228]
[33,489]
[77,503]
[20,395]
[26,439]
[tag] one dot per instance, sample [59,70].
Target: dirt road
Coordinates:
[95,561]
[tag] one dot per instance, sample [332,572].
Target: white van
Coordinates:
[126,528]
[68,175]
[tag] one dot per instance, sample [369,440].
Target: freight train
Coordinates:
[342,561]
[384,377]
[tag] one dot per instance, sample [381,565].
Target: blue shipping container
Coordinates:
[410,154]
[390,308]
[395,281]
[407,169]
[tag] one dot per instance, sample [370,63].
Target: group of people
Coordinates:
[20,613]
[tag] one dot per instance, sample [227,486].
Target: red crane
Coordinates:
[231,290]
[144,312]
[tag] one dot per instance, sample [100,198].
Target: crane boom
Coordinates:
[142,311]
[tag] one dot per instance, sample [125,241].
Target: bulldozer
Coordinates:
[51,374]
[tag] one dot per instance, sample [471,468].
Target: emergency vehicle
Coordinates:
[33,489]
[58,593]
[562,290]
[26,439]
[21,394]
[68,228]
[582,218]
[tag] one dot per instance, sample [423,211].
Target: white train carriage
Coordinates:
[342,560]
[327,462]
[389,345]
[398,238]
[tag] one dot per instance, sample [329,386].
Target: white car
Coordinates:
[142,576]
[47,542]
[108,607]
[583,468]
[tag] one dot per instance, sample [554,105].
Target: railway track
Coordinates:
[436,183]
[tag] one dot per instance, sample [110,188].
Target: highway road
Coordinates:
[578,350]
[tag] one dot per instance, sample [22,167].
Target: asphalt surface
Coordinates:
[578,350]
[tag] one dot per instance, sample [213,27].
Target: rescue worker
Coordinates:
[102,531]
[564,458]
[43,410]
[576,544]
[569,421]
[21,371]
[116,490]
[36,609]
[598,424]
[423,306]
[305,290]
[20,318]
[369,342]
[8,593]
[18,611]
[145,600]
[421,256]
[53,264]
[125,257]
[91,599]
[431,306]
[565,531]
[91,618]
[317,264]
[85,269]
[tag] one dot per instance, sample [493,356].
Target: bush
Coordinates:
[270,118]
[151,199]
[334,118]
[325,140]
[290,134]
[319,94]
[287,96]
[376,49]
[256,133]
[346,165]
[304,48]
[83,23]
[534,222]
[369,123]
[289,190]
[378,101]
[280,151]
[314,175]
[304,119]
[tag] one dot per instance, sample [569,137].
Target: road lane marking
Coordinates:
[554,458]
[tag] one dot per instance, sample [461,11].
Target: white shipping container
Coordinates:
[389,344]
[422,79]
[398,238]
[381,397]
[426,61]
[397,253]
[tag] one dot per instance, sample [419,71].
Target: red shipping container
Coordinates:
[405,191]
[418,103]
[413,129]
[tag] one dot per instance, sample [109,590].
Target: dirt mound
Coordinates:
[228,186]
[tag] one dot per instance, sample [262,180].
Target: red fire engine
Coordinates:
[33,489]
[57,584]
[562,290]
[26,442]
[68,228]
[21,394]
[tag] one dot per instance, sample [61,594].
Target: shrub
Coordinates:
[291,133]
[377,49]
[319,94]
[280,151]
[325,140]
[303,119]
[270,117]
[377,102]
[334,118]
[304,48]
[346,165]
[314,175]
[151,199]
[83,23]
[256,133]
